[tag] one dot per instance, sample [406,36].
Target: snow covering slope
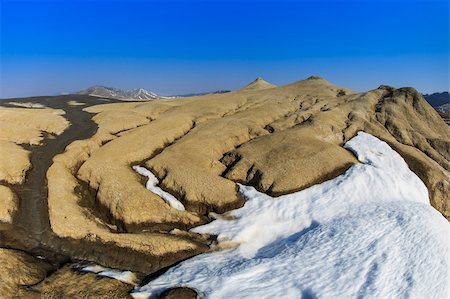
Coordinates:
[369,233]
[152,185]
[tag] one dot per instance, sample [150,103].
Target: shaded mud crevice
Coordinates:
[92,249]
[204,208]
[18,239]
[305,121]
[325,107]
[442,147]
[159,150]
[255,176]
[433,154]
[158,227]
[270,189]
[236,109]
[270,127]
[118,133]
[113,256]
[95,210]
[347,126]
[230,160]
[51,272]
[7,184]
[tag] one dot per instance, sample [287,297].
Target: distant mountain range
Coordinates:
[441,102]
[135,94]
[202,93]
[115,93]
[438,98]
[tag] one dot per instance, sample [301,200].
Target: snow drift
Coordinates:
[124,276]
[369,233]
[152,185]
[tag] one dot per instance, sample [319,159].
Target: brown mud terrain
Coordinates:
[82,200]
[31,231]
[33,215]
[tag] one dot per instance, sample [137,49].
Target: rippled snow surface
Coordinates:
[369,233]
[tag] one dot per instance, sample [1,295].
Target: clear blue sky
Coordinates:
[175,47]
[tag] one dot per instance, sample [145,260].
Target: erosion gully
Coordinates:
[31,232]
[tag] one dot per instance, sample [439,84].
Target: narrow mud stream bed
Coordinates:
[31,231]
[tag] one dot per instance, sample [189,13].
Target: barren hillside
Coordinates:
[97,207]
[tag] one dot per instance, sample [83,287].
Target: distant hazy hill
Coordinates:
[438,98]
[110,92]
[136,94]
[258,84]
[202,93]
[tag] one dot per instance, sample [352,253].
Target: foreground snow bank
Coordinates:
[369,233]
[152,185]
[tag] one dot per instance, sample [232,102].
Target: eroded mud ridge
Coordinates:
[81,199]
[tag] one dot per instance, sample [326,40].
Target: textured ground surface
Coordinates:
[82,199]
[19,128]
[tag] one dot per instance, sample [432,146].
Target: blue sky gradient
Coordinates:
[175,47]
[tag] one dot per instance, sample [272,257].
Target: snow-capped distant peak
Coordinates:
[110,92]
[140,93]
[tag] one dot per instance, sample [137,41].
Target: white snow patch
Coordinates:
[27,104]
[152,185]
[124,276]
[75,103]
[369,233]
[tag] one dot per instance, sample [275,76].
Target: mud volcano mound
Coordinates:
[94,206]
